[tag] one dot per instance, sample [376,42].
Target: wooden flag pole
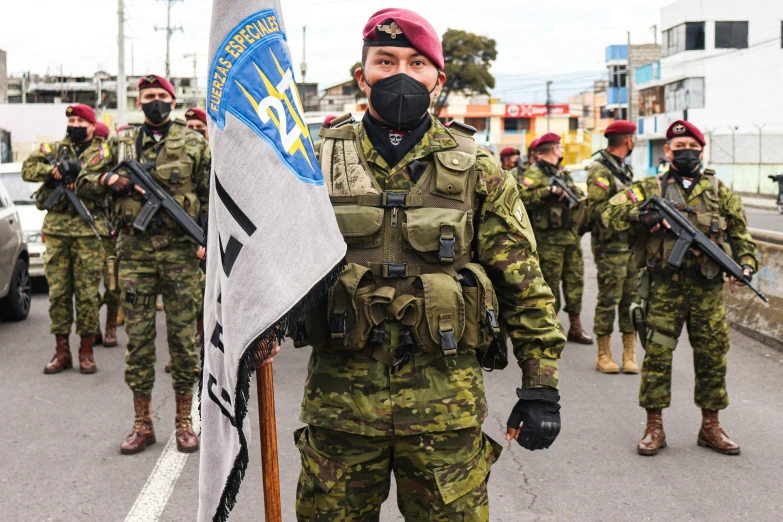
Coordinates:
[268,435]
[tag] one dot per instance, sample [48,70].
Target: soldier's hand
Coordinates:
[652,220]
[269,360]
[558,192]
[747,272]
[535,421]
[201,253]
[56,173]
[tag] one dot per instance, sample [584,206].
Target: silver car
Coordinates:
[15,285]
[32,218]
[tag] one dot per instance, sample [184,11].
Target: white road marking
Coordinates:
[155,494]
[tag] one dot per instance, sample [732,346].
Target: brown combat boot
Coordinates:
[654,439]
[167,368]
[200,329]
[62,359]
[575,332]
[143,433]
[110,341]
[187,440]
[712,436]
[629,353]
[98,340]
[604,363]
[86,362]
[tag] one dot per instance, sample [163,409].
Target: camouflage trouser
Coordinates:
[616,289]
[150,266]
[202,288]
[564,263]
[73,269]
[440,476]
[699,305]
[110,299]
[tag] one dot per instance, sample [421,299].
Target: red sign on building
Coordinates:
[535,110]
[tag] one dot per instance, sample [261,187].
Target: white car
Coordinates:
[32,219]
[15,288]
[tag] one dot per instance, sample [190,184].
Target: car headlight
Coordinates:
[34,237]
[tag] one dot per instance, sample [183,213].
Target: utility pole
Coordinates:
[655,33]
[629,83]
[122,83]
[303,67]
[548,105]
[169,31]
[195,76]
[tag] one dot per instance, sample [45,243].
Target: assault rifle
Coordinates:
[571,198]
[69,170]
[689,236]
[156,198]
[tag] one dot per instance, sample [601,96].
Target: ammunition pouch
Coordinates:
[638,311]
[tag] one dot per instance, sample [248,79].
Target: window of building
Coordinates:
[617,76]
[347,90]
[586,113]
[652,101]
[573,124]
[605,114]
[516,124]
[731,35]
[684,37]
[479,124]
[685,94]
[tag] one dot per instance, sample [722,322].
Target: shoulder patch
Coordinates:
[104,151]
[526,181]
[635,195]
[619,199]
[46,149]
[602,183]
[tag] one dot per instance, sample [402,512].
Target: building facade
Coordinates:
[721,68]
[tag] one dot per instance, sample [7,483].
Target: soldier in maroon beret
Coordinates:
[101,130]
[196,119]
[379,397]
[690,294]
[609,175]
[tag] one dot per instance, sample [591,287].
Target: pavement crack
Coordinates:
[516,457]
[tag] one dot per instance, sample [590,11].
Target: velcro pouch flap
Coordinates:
[356,221]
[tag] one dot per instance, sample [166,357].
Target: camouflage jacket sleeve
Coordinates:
[744,247]
[202,164]
[534,188]
[599,181]
[37,167]
[622,212]
[87,185]
[507,250]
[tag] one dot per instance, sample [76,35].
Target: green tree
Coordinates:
[468,58]
[357,93]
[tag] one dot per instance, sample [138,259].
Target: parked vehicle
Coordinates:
[15,284]
[32,219]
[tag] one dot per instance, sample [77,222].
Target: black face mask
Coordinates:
[400,100]
[156,111]
[559,161]
[76,134]
[686,160]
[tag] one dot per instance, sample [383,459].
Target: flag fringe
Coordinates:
[261,349]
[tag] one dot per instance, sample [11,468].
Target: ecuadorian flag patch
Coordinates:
[602,182]
[46,149]
[526,182]
[104,151]
[636,195]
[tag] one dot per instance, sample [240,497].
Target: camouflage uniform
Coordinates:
[161,260]
[73,253]
[427,415]
[559,249]
[518,172]
[685,296]
[612,253]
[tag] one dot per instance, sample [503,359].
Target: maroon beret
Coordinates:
[329,119]
[84,112]
[101,130]
[196,114]
[533,144]
[404,28]
[681,128]
[620,127]
[153,80]
[509,151]
[549,137]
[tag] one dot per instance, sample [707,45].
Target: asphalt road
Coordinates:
[765,219]
[60,459]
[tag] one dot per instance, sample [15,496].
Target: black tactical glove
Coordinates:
[69,170]
[120,186]
[749,269]
[538,412]
[650,219]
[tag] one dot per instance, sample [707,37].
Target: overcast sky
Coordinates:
[560,39]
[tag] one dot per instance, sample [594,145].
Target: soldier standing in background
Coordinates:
[608,176]
[386,404]
[111,291]
[691,295]
[556,228]
[73,252]
[161,259]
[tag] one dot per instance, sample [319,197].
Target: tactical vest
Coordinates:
[409,255]
[62,153]
[705,215]
[173,169]
[555,214]
[617,185]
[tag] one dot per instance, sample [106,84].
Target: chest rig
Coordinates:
[171,166]
[60,152]
[410,282]
[704,213]
[621,177]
